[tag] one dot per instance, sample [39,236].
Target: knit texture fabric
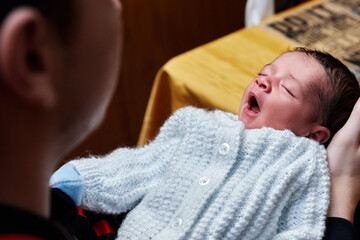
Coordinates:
[206,177]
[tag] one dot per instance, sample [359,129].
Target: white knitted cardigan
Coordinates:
[206,177]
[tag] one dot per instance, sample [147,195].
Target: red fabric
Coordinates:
[18,237]
[103,227]
[80,212]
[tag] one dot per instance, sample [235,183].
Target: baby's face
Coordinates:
[278,98]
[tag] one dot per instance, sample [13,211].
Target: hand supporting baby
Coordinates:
[344,164]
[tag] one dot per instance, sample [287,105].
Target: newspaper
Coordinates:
[332,26]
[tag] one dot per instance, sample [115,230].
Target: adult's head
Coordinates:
[297,92]
[58,68]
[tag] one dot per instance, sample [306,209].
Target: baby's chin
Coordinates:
[249,123]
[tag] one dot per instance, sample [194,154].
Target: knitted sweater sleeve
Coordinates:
[116,182]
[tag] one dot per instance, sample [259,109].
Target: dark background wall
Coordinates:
[155,31]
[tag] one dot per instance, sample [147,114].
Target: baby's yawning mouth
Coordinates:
[253,104]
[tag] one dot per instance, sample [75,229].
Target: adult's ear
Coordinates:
[24,58]
[320,134]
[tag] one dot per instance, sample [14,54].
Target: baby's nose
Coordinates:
[264,84]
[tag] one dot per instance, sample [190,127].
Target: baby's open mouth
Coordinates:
[253,104]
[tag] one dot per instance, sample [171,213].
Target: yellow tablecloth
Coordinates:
[211,76]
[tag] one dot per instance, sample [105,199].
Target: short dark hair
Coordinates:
[336,99]
[59,12]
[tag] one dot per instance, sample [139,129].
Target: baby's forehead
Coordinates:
[299,57]
[300,64]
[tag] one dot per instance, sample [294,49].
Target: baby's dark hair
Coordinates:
[60,13]
[336,99]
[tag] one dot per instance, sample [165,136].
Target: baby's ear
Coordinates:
[320,134]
